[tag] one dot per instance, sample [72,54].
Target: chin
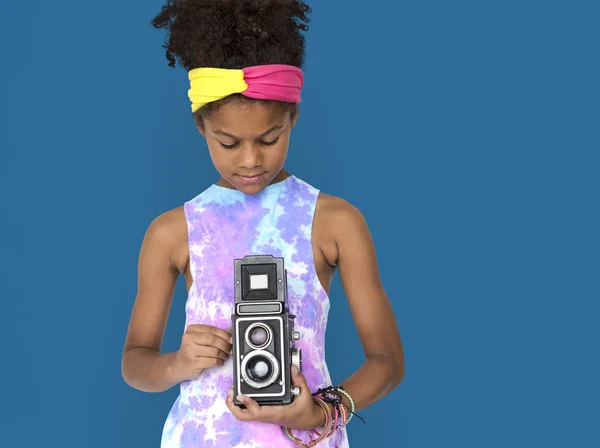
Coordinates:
[251,189]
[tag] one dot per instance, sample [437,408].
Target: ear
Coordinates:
[294,117]
[199,122]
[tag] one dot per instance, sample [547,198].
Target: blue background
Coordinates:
[467,132]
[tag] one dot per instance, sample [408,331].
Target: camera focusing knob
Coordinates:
[297,358]
[295,391]
[296,335]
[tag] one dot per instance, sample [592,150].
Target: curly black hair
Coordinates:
[234,34]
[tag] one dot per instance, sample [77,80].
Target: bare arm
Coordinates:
[143,365]
[371,310]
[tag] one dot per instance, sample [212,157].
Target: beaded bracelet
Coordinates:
[335,419]
[347,395]
[333,395]
[329,423]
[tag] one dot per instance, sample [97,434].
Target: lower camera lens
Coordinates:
[259,368]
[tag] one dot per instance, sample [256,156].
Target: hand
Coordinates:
[202,347]
[302,413]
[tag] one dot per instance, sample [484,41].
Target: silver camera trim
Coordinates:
[266,328]
[238,351]
[274,363]
[260,312]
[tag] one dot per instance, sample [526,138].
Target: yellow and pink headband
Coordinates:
[264,82]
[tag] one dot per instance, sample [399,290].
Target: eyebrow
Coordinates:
[274,128]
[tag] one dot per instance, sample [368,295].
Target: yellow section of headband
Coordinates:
[213,84]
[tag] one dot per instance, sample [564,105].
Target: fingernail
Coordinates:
[240,397]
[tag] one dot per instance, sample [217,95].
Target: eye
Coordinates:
[228,146]
[271,142]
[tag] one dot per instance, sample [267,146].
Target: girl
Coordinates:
[244,60]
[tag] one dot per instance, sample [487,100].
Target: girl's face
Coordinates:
[248,144]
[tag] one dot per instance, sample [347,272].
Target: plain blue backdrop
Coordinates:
[466,132]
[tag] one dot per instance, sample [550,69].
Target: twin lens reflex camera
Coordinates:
[263,332]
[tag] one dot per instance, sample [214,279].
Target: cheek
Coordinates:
[283,151]
[280,150]
[219,157]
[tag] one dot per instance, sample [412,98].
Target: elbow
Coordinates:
[398,372]
[398,366]
[398,363]
[125,370]
[397,360]
[395,367]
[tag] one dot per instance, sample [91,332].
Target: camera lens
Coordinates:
[259,368]
[258,335]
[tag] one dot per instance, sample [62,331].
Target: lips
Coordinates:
[250,179]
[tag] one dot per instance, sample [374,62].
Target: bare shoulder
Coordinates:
[169,231]
[170,221]
[339,215]
[336,207]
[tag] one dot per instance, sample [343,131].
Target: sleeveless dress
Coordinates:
[225,224]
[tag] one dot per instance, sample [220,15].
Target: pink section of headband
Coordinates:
[274,82]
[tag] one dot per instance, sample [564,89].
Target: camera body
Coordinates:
[263,332]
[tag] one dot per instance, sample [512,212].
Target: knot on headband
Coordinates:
[264,82]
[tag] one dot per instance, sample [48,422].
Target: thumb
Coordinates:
[298,379]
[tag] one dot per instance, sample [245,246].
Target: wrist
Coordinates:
[320,418]
[173,374]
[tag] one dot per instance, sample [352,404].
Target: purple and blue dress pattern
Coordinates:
[225,224]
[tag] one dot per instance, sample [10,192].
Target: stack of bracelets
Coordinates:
[334,420]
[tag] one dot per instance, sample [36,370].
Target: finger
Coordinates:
[252,406]
[205,351]
[235,410]
[205,363]
[238,412]
[199,328]
[210,340]
[272,414]
[207,329]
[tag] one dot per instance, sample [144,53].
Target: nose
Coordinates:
[250,156]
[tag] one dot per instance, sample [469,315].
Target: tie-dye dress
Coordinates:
[225,224]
